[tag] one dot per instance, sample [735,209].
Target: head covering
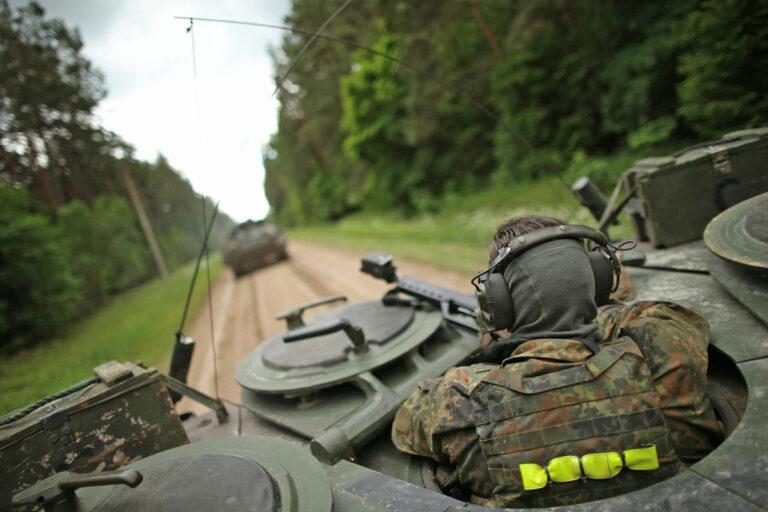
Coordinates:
[553,292]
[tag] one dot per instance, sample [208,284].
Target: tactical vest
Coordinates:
[586,432]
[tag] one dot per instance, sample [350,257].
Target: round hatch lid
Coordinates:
[263,474]
[305,366]
[380,324]
[740,233]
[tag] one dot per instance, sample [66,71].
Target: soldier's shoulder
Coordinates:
[466,378]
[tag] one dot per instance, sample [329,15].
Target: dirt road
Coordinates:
[244,309]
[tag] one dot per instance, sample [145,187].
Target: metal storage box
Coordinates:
[676,196]
[127,414]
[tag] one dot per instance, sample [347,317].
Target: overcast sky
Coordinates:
[146,57]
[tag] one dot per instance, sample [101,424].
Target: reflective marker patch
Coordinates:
[597,466]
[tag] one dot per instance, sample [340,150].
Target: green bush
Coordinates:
[725,71]
[38,292]
[108,252]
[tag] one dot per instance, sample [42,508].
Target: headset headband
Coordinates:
[524,242]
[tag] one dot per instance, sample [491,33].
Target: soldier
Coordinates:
[575,404]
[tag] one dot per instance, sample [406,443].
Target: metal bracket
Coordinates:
[293,317]
[198,396]
[721,160]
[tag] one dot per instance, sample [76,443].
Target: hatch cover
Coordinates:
[380,324]
[219,482]
[740,234]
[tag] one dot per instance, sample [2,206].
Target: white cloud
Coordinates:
[146,58]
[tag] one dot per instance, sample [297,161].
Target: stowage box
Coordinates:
[125,415]
[676,196]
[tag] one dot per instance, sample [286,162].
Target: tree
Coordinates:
[38,292]
[48,93]
[725,67]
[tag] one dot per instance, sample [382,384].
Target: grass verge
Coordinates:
[136,325]
[457,236]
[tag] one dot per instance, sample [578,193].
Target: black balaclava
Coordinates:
[553,292]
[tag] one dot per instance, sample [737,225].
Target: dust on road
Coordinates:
[244,309]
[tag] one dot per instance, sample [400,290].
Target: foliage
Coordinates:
[70,239]
[560,78]
[725,69]
[38,291]
[137,325]
[372,118]
[107,250]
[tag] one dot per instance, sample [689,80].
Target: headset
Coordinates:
[496,310]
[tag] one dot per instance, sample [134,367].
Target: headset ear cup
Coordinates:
[602,268]
[500,302]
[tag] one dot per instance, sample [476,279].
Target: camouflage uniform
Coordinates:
[440,419]
[674,342]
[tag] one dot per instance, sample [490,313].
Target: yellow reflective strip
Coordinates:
[564,469]
[534,476]
[601,465]
[642,459]
[598,466]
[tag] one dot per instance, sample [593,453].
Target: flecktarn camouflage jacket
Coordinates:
[441,419]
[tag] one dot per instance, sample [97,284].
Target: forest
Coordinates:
[69,236]
[562,82]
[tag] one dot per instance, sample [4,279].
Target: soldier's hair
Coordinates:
[515,227]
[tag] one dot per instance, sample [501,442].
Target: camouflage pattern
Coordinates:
[674,342]
[553,399]
[437,420]
[485,420]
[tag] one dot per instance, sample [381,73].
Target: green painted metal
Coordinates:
[740,234]
[103,426]
[254,374]
[300,482]
[680,194]
[345,405]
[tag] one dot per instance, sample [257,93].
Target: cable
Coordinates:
[308,44]
[476,103]
[15,416]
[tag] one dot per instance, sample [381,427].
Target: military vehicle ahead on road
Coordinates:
[252,245]
[319,398]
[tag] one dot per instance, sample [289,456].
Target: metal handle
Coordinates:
[293,317]
[355,333]
[131,478]
[57,492]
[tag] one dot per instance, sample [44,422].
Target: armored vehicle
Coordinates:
[252,245]
[318,399]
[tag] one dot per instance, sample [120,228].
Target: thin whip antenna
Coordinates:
[308,44]
[210,313]
[194,274]
[476,103]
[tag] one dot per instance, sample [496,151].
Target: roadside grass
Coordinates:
[136,325]
[457,236]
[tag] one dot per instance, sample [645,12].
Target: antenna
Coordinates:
[307,45]
[210,313]
[476,103]
[181,357]
[180,331]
